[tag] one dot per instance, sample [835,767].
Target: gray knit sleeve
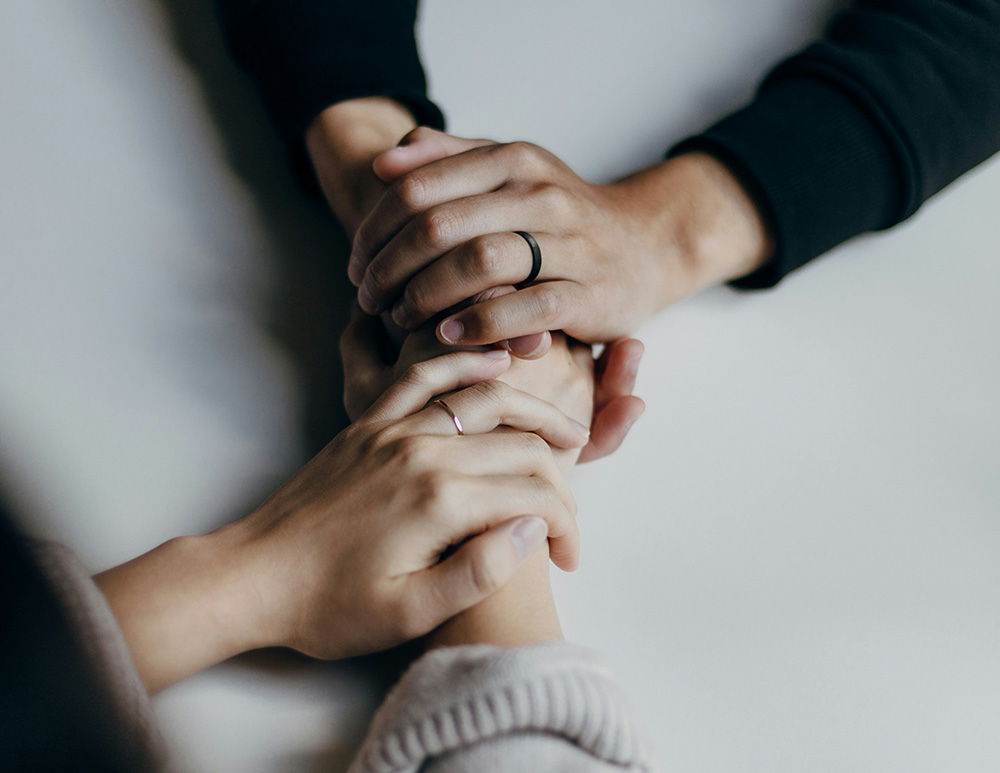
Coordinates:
[551,707]
[103,643]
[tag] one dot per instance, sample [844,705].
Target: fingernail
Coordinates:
[527,346]
[451,331]
[497,354]
[528,536]
[581,428]
[401,315]
[354,271]
[633,365]
[366,300]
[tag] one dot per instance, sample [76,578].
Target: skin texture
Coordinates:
[345,142]
[395,527]
[613,255]
[523,610]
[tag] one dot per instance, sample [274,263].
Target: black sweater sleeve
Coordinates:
[854,133]
[305,55]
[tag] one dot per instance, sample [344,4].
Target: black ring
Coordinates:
[536,258]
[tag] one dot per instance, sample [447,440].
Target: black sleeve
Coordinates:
[305,55]
[854,133]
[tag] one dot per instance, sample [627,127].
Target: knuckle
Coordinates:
[419,295]
[410,450]
[378,276]
[416,375]
[526,156]
[380,440]
[539,449]
[487,257]
[432,490]
[548,304]
[487,321]
[413,192]
[438,227]
[494,393]
[552,199]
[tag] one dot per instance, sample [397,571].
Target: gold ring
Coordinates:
[457,421]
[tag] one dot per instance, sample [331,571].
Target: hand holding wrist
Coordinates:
[612,255]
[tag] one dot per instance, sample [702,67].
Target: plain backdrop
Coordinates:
[791,565]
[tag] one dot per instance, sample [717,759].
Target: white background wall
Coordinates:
[791,565]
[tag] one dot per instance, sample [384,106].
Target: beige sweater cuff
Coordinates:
[463,700]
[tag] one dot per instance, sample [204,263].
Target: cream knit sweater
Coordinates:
[549,707]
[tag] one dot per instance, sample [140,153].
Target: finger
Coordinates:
[366,373]
[443,227]
[503,453]
[471,173]
[529,347]
[486,405]
[482,262]
[546,306]
[474,504]
[610,426]
[616,369]
[478,568]
[422,381]
[421,146]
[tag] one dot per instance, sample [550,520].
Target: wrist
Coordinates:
[705,226]
[523,612]
[342,143]
[184,606]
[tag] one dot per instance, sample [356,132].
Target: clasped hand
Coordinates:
[444,232]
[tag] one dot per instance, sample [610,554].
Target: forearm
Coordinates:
[184,606]
[342,142]
[700,221]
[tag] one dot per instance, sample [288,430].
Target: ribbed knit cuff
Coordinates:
[454,698]
[814,161]
[307,56]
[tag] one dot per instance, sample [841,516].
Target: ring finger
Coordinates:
[480,263]
[483,407]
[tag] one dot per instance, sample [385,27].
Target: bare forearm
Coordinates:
[183,607]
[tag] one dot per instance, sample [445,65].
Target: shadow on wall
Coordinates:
[312,297]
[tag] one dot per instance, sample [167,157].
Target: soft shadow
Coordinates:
[312,299]
[312,294]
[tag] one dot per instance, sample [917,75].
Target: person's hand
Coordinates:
[612,254]
[370,366]
[345,139]
[397,525]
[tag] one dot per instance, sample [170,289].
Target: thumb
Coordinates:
[421,146]
[482,565]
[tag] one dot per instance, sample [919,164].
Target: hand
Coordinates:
[345,139]
[612,254]
[369,370]
[346,557]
